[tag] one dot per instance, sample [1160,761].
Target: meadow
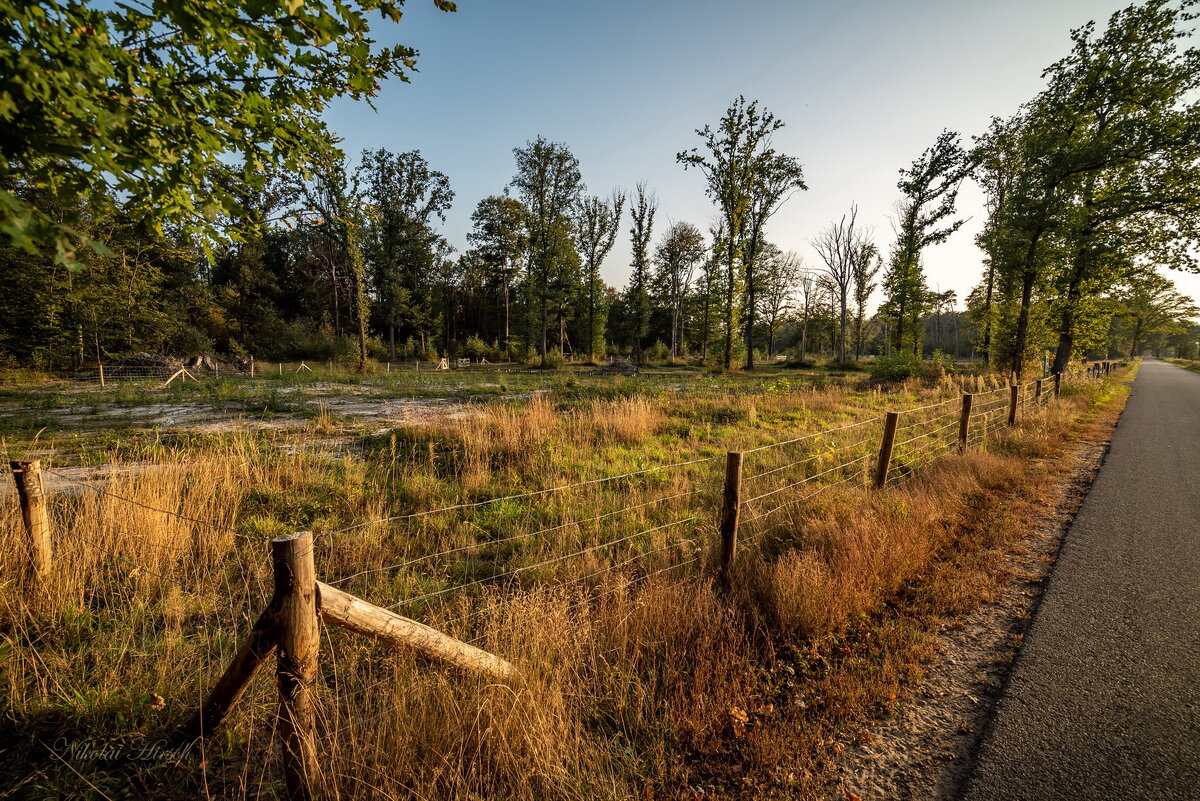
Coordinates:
[565,521]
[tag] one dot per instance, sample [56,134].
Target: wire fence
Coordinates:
[451,566]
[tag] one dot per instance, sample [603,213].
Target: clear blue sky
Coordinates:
[863,86]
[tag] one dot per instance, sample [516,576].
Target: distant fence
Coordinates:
[755,484]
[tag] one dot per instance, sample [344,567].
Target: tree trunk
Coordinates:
[842,330]
[591,346]
[987,312]
[506,318]
[729,310]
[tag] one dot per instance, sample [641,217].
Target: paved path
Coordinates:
[1104,701]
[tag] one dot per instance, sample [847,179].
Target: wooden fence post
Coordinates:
[101,374]
[1037,392]
[731,511]
[885,448]
[1057,384]
[252,367]
[964,421]
[296,666]
[28,477]
[1014,392]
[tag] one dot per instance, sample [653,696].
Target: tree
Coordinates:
[810,289]
[839,246]
[681,249]
[1150,304]
[1117,104]
[775,177]
[865,265]
[735,154]
[597,222]
[779,274]
[336,201]
[642,210]
[549,183]
[500,238]
[930,188]
[143,100]
[403,196]
[941,301]
[995,165]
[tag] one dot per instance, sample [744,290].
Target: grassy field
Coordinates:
[639,677]
[1187,364]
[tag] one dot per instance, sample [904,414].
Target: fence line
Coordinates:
[544,563]
[290,623]
[513,538]
[101,491]
[535,493]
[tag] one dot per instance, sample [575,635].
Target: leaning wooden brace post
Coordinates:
[296,665]
[1014,392]
[343,609]
[885,449]
[28,477]
[964,421]
[255,651]
[731,511]
[1057,384]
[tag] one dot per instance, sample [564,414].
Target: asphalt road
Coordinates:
[1104,700]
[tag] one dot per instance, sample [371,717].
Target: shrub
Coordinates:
[898,367]
[552,360]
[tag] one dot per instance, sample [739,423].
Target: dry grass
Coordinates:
[639,678]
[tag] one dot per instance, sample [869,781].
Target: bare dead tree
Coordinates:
[837,246]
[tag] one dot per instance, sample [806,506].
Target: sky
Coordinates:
[863,86]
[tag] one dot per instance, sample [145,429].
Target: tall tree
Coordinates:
[597,222]
[838,245]
[549,182]
[682,248]
[337,202]
[778,277]
[731,167]
[810,289]
[1118,103]
[865,264]
[775,177]
[642,210]
[930,191]
[403,196]
[500,237]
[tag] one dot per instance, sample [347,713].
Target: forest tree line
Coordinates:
[1091,187]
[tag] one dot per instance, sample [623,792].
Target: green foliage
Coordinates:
[1098,170]
[143,101]
[897,367]
[930,189]
[552,360]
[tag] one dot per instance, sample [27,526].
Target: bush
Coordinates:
[552,360]
[477,349]
[658,352]
[898,367]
